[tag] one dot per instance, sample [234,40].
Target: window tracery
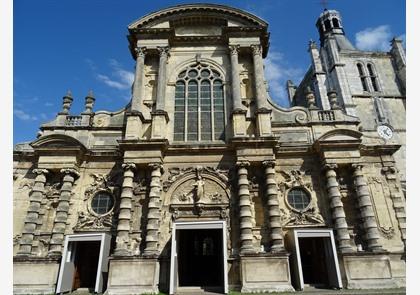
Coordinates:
[199,105]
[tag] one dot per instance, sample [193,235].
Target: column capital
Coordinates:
[163,51]
[269,163]
[356,167]
[256,49]
[332,166]
[243,164]
[39,171]
[128,166]
[155,166]
[140,51]
[70,171]
[234,49]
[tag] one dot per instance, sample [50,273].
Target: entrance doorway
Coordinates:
[85,263]
[314,259]
[198,257]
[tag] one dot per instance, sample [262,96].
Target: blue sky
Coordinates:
[81,45]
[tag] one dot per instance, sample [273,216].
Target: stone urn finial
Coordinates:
[332,97]
[67,101]
[310,98]
[89,101]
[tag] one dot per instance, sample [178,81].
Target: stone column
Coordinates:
[245,214]
[260,90]
[366,211]
[124,216]
[277,244]
[31,220]
[263,113]
[138,80]
[153,214]
[161,87]
[159,116]
[338,215]
[238,113]
[62,211]
[236,84]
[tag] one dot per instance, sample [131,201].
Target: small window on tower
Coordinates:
[373,77]
[327,25]
[335,22]
[362,76]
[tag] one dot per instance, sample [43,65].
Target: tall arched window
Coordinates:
[199,105]
[362,76]
[373,77]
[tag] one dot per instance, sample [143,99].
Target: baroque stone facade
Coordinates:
[203,181]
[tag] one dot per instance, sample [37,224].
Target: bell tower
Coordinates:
[329,23]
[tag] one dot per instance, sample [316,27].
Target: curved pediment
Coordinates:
[189,14]
[335,135]
[57,141]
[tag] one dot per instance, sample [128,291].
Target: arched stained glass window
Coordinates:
[199,105]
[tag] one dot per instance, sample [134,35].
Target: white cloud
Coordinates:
[374,38]
[111,83]
[24,116]
[277,72]
[119,78]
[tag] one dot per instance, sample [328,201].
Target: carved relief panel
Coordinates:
[198,192]
[299,203]
[98,212]
[150,83]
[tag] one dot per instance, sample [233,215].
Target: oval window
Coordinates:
[102,203]
[298,198]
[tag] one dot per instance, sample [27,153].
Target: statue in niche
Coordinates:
[199,188]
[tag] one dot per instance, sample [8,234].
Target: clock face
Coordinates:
[384,131]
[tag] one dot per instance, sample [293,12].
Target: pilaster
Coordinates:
[153,214]
[366,211]
[57,238]
[32,215]
[245,213]
[124,217]
[336,206]
[398,202]
[277,243]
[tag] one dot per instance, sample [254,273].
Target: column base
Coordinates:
[265,273]
[133,276]
[34,275]
[373,270]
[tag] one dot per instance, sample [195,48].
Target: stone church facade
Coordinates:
[203,182]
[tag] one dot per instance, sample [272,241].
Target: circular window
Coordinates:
[102,203]
[298,198]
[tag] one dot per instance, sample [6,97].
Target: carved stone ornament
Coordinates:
[201,191]
[294,178]
[91,222]
[88,220]
[308,216]
[387,233]
[177,173]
